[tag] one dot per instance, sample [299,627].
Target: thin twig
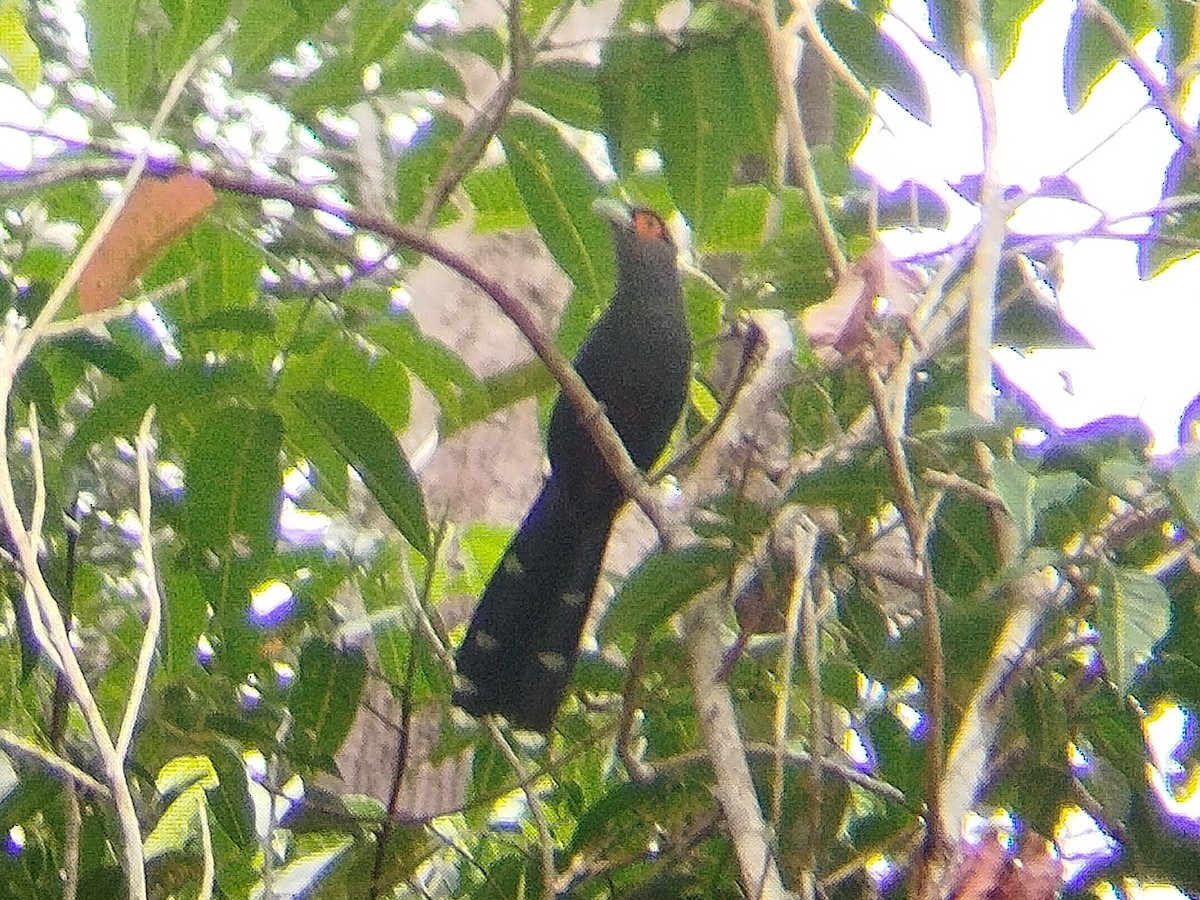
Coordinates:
[401,766]
[759,750]
[805,536]
[545,838]
[750,345]
[72,830]
[1158,91]
[782,43]
[141,675]
[470,145]
[53,763]
[993,216]
[948,481]
[208,871]
[637,769]
[93,320]
[916,526]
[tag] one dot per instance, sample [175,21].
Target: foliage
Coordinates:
[276,348]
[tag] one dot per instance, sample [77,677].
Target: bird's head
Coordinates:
[643,243]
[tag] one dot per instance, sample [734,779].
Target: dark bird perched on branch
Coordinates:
[524,637]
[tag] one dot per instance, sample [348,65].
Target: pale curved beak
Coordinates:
[615,211]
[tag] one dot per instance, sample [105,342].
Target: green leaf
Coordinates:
[1183,484]
[947,30]
[315,855]
[246,320]
[497,201]
[180,395]
[705,308]
[876,61]
[1015,486]
[231,517]
[459,394]
[627,109]
[558,190]
[35,386]
[183,772]
[1109,787]
[221,270]
[1091,50]
[192,22]
[760,103]
[418,167]
[17,47]
[120,53]
[184,619]
[338,83]
[1172,234]
[324,699]
[699,114]
[416,69]
[1178,28]
[1003,24]
[482,41]
[1109,721]
[379,27]
[340,364]
[105,355]
[230,802]
[662,584]
[1133,611]
[271,28]
[1028,324]
[177,825]
[565,90]
[367,444]
[860,485]
[962,551]
[741,221]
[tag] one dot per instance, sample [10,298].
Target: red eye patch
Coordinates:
[647,224]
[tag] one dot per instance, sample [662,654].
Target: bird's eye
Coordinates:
[646,224]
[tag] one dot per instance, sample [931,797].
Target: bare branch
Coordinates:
[52,763]
[141,675]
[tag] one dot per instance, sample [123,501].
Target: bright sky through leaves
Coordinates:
[1116,149]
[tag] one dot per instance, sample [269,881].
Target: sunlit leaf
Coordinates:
[1133,611]
[875,59]
[17,47]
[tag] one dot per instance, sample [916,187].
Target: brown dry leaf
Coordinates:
[980,871]
[989,872]
[158,213]
[1036,874]
[842,322]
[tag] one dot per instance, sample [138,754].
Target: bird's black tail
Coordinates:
[524,637]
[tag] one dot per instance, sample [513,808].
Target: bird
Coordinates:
[523,640]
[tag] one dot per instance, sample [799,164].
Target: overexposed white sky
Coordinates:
[1116,149]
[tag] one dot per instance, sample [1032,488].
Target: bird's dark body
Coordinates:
[523,640]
